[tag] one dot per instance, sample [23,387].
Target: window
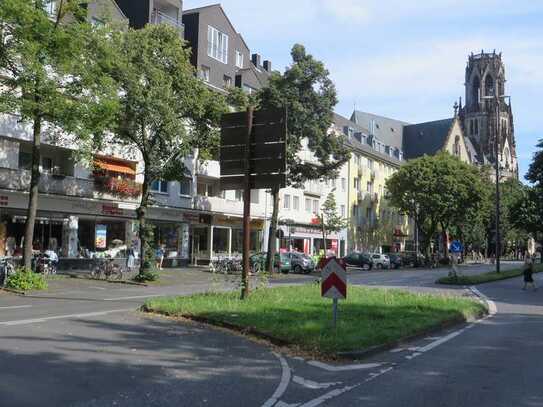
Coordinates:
[369,187]
[295,203]
[205,73]
[316,206]
[239,195]
[227,81]
[308,205]
[343,184]
[159,186]
[342,211]
[239,59]
[356,184]
[96,22]
[286,201]
[217,45]
[46,164]
[248,89]
[25,160]
[185,187]
[50,7]
[334,183]
[370,164]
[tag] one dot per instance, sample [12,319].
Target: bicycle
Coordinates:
[108,268]
[6,269]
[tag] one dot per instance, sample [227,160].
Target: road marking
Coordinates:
[338,392]
[492,309]
[310,384]
[440,341]
[16,307]
[135,297]
[98,288]
[44,319]
[283,384]
[331,368]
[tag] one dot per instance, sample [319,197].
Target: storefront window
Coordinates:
[220,241]
[167,235]
[89,231]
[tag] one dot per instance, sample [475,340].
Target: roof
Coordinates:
[341,122]
[388,131]
[425,138]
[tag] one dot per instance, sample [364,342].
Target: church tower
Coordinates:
[485,77]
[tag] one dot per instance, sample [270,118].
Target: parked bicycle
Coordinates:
[6,269]
[226,265]
[108,268]
[45,263]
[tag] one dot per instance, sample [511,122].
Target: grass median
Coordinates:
[482,278]
[299,317]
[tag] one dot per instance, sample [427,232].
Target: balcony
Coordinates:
[210,169]
[224,206]
[313,188]
[159,17]
[361,195]
[58,184]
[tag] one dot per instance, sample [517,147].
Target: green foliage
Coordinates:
[25,279]
[535,172]
[147,276]
[437,191]
[330,218]
[309,96]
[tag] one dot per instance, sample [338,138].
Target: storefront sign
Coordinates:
[112,209]
[101,237]
[191,217]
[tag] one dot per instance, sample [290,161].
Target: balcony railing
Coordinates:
[57,184]
[159,17]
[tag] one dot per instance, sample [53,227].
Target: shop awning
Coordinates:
[114,166]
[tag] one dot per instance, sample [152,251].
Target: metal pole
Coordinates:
[497,146]
[247,208]
[335,312]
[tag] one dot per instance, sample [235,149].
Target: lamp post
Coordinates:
[497,98]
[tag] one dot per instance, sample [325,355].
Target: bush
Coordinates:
[25,279]
[147,276]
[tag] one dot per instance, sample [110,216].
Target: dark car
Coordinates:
[395,260]
[360,260]
[412,259]
[301,262]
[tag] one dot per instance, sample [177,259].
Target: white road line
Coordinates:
[492,309]
[343,368]
[310,384]
[85,315]
[98,288]
[440,341]
[16,307]
[135,297]
[283,384]
[338,392]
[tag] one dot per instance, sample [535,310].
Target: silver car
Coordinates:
[301,262]
[380,261]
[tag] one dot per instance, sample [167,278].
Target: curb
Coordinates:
[13,291]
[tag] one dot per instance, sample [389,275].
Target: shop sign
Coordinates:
[4,200]
[101,237]
[110,209]
[191,217]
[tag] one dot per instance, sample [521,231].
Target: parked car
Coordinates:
[380,261]
[281,262]
[357,259]
[301,263]
[395,260]
[412,259]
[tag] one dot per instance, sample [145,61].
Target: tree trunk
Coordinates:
[273,229]
[141,213]
[323,234]
[33,193]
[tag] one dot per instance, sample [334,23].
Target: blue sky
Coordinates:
[405,59]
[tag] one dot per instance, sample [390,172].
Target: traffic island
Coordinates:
[482,278]
[298,317]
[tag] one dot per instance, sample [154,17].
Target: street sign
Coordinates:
[334,280]
[456,247]
[258,151]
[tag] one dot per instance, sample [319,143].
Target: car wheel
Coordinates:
[379,266]
[298,269]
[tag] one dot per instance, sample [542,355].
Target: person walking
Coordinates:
[130,259]
[159,257]
[529,272]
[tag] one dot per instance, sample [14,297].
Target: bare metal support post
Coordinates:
[247,207]
[497,147]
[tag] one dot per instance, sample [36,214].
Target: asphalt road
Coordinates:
[84,344]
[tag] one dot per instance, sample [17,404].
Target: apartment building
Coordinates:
[373,224]
[142,12]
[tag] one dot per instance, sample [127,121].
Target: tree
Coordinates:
[330,220]
[48,80]
[165,110]
[535,172]
[437,191]
[309,96]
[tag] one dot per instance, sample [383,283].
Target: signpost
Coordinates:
[456,249]
[253,156]
[334,283]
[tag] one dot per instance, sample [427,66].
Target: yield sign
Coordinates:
[334,280]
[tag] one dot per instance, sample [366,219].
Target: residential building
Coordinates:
[220,55]
[373,224]
[142,12]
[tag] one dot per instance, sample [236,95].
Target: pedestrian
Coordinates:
[130,260]
[159,257]
[529,272]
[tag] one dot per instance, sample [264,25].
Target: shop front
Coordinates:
[222,236]
[307,238]
[171,228]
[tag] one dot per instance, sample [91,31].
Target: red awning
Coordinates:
[115,166]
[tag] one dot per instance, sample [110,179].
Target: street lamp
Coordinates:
[498,99]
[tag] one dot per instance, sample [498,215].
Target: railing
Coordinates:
[159,17]
[57,184]
[209,169]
